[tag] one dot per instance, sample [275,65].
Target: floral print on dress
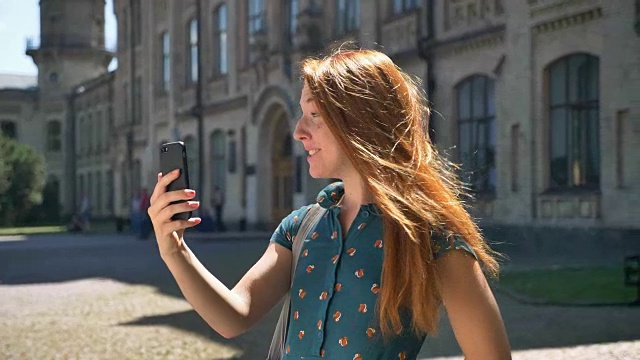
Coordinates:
[337,284]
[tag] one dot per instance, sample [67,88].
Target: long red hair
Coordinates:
[379,116]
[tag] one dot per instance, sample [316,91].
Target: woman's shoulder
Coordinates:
[290,225]
[445,241]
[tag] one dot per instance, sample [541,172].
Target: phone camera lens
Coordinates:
[164,149]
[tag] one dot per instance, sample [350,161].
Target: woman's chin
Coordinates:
[316,173]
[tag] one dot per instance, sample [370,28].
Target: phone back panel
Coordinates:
[174,156]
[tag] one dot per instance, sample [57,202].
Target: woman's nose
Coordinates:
[300,133]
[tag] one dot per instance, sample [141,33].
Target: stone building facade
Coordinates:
[70,50]
[539,100]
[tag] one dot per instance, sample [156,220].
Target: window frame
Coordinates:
[581,113]
[256,17]
[192,51]
[480,171]
[347,17]
[221,40]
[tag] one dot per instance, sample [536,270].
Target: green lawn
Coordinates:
[97,227]
[572,286]
[31,230]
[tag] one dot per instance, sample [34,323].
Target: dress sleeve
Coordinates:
[288,228]
[443,243]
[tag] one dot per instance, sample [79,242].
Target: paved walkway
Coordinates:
[111,297]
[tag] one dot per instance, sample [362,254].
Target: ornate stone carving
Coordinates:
[461,13]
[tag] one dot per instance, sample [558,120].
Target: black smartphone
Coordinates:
[173,156]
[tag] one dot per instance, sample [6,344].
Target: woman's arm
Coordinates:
[471,307]
[229,312]
[232,312]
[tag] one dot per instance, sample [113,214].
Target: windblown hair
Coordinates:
[379,115]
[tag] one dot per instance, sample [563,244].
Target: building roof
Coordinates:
[17,81]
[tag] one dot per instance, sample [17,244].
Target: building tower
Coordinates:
[71,50]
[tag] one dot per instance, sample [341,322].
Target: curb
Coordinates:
[526,300]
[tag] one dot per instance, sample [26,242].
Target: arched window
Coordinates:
[573,98]
[54,136]
[219,158]
[477,132]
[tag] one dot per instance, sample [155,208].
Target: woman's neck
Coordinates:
[356,193]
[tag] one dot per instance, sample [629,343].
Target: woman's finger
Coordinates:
[167,198]
[163,182]
[164,215]
[177,225]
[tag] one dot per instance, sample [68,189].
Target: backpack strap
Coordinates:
[311,218]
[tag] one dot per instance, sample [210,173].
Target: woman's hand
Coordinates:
[169,232]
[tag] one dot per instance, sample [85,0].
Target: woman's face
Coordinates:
[326,158]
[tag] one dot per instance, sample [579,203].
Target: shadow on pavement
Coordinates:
[61,258]
[252,343]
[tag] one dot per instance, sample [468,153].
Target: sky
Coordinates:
[19,20]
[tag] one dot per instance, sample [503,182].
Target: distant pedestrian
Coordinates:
[134,213]
[144,228]
[85,212]
[217,201]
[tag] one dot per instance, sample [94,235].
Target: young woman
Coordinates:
[394,244]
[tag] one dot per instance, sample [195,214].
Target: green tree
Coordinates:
[22,178]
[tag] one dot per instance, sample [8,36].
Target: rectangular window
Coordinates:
[257,21]
[192,51]
[54,136]
[293,19]
[347,16]
[166,61]
[220,38]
